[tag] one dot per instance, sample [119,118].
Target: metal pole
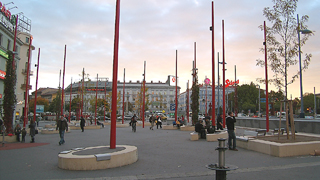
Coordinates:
[64,70]
[35,98]
[218,86]
[315,103]
[124,82]
[105,98]
[300,68]
[115,78]
[259,101]
[176,108]
[144,94]
[213,97]
[70,102]
[95,112]
[26,97]
[82,89]
[188,101]
[266,70]
[223,79]
[14,43]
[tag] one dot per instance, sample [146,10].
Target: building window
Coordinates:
[27,39]
[9,44]
[1,39]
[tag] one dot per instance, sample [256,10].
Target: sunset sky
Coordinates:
[152,31]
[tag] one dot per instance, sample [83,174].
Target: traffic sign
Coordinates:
[172,107]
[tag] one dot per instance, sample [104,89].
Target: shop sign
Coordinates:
[231,83]
[2,74]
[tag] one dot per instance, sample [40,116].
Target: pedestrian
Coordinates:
[62,125]
[200,129]
[32,127]
[17,132]
[152,119]
[219,122]
[23,134]
[159,122]
[231,120]
[82,123]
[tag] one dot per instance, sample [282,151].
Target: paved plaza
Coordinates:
[163,154]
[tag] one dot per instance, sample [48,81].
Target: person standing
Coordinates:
[159,123]
[231,120]
[219,122]
[32,127]
[152,119]
[23,133]
[17,132]
[82,123]
[62,125]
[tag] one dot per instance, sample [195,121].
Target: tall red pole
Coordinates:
[82,90]
[95,112]
[26,97]
[70,102]
[206,99]
[105,98]
[144,94]
[124,83]
[188,101]
[224,79]
[213,71]
[35,98]
[176,108]
[14,43]
[266,70]
[64,70]
[115,79]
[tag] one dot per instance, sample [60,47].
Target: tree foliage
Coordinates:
[282,42]
[9,99]
[195,101]
[40,101]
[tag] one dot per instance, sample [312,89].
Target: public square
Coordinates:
[163,154]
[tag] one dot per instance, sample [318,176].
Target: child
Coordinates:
[24,133]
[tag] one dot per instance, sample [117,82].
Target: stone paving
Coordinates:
[163,154]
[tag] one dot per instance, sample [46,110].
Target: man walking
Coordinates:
[62,125]
[152,120]
[82,123]
[231,120]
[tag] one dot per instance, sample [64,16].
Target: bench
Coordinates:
[194,136]
[261,132]
[277,129]
[246,135]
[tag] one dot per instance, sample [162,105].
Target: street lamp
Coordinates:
[304,31]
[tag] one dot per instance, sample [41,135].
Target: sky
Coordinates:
[152,31]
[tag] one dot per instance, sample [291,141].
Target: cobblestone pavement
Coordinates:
[163,154]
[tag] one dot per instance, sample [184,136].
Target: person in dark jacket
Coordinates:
[32,127]
[231,120]
[62,125]
[219,122]
[200,129]
[82,123]
[17,132]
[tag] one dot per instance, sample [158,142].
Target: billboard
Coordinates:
[172,81]
[39,108]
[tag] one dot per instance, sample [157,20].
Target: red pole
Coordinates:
[188,101]
[176,108]
[79,106]
[82,89]
[124,83]
[70,102]
[213,72]
[206,99]
[64,70]
[144,94]
[35,98]
[105,98]
[224,79]
[26,97]
[115,78]
[266,69]
[95,112]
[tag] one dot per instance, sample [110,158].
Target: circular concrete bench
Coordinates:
[99,157]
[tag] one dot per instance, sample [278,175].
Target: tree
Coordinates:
[195,101]
[40,101]
[308,102]
[55,105]
[9,99]
[282,42]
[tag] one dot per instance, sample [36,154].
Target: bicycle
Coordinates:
[134,127]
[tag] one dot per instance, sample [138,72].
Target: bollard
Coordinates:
[221,168]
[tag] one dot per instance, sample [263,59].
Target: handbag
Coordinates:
[36,131]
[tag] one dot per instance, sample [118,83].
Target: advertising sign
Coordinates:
[2,74]
[39,108]
[173,81]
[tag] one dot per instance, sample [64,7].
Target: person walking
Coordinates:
[231,120]
[62,125]
[82,123]
[23,134]
[159,123]
[17,132]
[152,119]
[219,122]
[32,127]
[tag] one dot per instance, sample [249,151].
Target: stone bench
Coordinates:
[169,127]
[187,128]
[216,136]
[261,132]
[194,136]
[247,135]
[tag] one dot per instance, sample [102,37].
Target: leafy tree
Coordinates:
[282,42]
[100,104]
[40,101]
[195,101]
[9,99]
[308,102]
[55,105]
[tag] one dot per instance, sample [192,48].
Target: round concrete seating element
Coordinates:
[99,157]
[216,136]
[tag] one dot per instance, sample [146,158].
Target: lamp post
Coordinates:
[259,100]
[304,31]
